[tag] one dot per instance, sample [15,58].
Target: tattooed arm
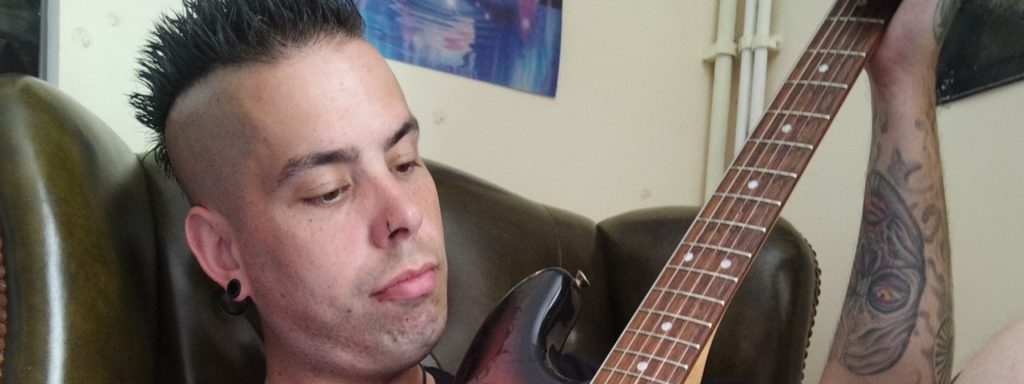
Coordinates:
[896,323]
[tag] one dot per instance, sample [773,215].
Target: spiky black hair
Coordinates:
[210,34]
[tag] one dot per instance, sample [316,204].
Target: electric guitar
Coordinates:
[672,328]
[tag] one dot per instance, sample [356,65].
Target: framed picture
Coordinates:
[514,43]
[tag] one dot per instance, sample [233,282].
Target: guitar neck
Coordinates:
[677,317]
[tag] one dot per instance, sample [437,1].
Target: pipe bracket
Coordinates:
[771,42]
[720,48]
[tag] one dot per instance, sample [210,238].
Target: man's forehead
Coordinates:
[323,97]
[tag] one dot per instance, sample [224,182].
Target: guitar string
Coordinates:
[733,184]
[771,129]
[695,261]
[766,156]
[779,153]
[659,295]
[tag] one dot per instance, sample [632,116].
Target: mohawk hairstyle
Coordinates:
[211,34]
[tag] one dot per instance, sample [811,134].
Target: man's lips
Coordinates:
[409,284]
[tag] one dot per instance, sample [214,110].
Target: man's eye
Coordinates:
[324,199]
[407,167]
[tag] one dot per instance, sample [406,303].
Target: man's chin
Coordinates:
[419,320]
[419,338]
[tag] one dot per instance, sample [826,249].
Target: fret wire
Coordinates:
[768,171]
[693,295]
[739,196]
[784,143]
[663,336]
[840,52]
[814,83]
[719,248]
[801,113]
[706,272]
[858,19]
[735,224]
[677,316]
[847,70]
[653,357]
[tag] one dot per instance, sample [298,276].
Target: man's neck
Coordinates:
[412,375]
[287,368]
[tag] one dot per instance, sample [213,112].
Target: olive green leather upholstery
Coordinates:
[78,245]
[101,287]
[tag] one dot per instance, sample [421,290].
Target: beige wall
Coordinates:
[98,44]
[627,130]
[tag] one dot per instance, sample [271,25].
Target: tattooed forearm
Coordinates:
[896,320]
[881,305]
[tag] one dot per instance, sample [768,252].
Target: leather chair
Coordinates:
[99,285]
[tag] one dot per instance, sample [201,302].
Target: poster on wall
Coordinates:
[983,50]
[514,43]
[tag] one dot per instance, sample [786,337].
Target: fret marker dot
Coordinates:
[753,184]
[787,128]
[666,326]
[823,68]
[641,366]
[688,257]
[726,264]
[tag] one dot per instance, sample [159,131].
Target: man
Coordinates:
[308,191]
[293,142]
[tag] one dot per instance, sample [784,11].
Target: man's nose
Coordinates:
[398,216]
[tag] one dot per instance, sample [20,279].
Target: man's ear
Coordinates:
[211,238]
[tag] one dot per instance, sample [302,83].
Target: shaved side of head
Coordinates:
[206,143]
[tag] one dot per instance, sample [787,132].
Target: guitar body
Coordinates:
[522,338]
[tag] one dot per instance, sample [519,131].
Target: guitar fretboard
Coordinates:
[677,317]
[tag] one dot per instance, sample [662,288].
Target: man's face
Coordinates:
[337,227]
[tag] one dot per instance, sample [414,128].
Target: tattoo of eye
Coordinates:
[944,12]
[881,307]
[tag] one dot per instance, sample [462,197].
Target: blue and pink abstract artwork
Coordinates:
[515,43]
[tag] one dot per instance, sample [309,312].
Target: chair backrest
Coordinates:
[77,237]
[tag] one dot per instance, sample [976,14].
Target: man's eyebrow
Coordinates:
[344,155]
[410,126]
[313,160]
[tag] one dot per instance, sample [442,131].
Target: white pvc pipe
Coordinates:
[721,93]
[740,132]
[51,36]
[764,21]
